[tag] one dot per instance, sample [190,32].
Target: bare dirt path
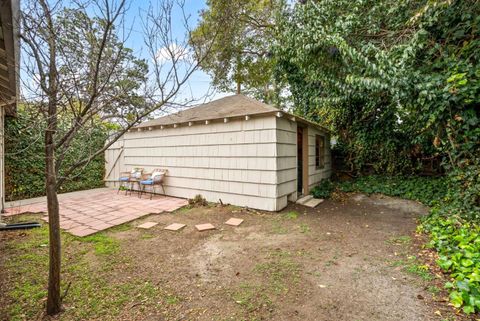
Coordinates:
[336,262]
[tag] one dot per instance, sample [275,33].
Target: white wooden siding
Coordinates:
[234,161]
[243,162]
[316,175]
[287,163]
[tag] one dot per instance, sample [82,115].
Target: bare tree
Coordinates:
[79,73]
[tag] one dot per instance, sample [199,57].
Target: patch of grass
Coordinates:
[420,270]
[121,228]
[397,263]
[332,261]
[412,266]
[279,269]
[278,228]
[278,272]
[96,291]
[37,237]
[317,274]
[252,297]
[103,244]
[324,189]
[147,236]
[400,240]
[304,228]
[427,190]
[172,299]
[99,297]
[433,290]
[292,215]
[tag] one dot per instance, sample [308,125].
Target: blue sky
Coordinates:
[199,83]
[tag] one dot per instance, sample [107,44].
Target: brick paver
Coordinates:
[204,227]
[87,214]
[234,221]
[148,225]
[175,227]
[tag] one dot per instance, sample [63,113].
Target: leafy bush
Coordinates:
[25,163]
[427,190]
[458,244]
[323,190]
[397,81]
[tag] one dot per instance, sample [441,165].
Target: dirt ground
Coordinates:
[344,260]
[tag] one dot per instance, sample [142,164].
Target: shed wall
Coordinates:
[235,161]
[242,162]
[315,175]
[287,162]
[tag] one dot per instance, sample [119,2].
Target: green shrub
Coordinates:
[428,190]
[323,190]
[458,245]
[25,160]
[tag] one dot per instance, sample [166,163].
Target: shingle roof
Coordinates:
[228,107]
[231,106]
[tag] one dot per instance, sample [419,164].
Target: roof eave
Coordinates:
[10,14]
[278,113]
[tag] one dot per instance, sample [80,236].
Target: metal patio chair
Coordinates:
[153,179]
[128,179]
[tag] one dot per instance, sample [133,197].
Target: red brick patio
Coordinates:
[84,213]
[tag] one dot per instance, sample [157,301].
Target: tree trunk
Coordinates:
[54,300]
[54,304]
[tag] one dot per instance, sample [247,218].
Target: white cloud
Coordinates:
[170,52]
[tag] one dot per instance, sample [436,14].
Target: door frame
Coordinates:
[305,185]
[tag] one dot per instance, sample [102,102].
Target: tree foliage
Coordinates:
[397,80]
[25,164]
[240,52]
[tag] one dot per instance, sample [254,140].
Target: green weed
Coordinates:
[304,228]
[292,215]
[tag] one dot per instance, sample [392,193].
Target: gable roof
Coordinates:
[227,107]
[234,106]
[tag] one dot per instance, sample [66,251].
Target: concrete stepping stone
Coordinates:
[204,227]
[175,227]
[304,199]
[147,225]
[313,202]
[234,221]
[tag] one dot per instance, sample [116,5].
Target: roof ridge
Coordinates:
[229,106]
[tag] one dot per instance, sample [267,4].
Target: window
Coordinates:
[319,151]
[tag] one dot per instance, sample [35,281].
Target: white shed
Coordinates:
[236,149]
